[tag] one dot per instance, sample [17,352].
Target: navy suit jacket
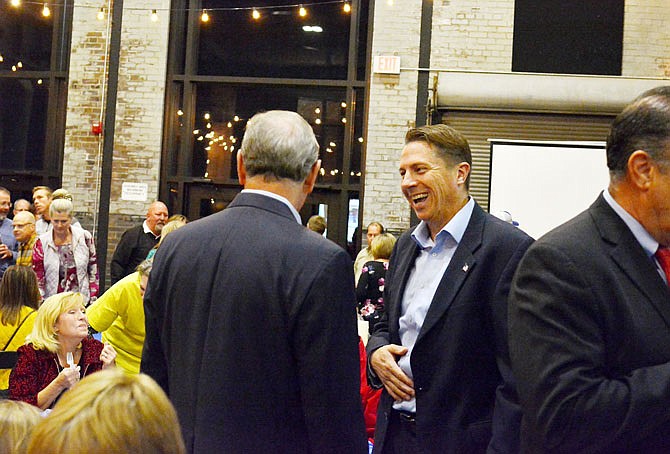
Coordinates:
[590,340]
[251,330]
[465,396]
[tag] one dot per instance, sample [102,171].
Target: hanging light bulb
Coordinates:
[302,11]
[46,12]
[101,14]
[15,3]
[19,64]
[255,14]
[2,58]
[204,17]
[154,15]
[347,7]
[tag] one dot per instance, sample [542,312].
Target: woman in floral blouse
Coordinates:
[64,257]
[370,288]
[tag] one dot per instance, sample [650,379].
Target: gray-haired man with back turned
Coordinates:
[257,346]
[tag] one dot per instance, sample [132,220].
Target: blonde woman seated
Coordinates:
[64,258]
[19,300]
[110,412]
[119,315]
[59,353]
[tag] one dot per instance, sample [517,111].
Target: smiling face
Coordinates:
[157,217]
[72,325]
[434,188]
[5,205]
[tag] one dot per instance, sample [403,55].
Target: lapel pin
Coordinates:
[465,268]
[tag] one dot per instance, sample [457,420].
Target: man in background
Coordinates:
[42,196]
[590,305]
[440,348]
[7,241]
[24,232]
[365,254]
[21,205]
[317,224]
[256,346]
[136,242]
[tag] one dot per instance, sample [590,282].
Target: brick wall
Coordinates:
[472,35]
[139,112]
[392,101]
[646,41]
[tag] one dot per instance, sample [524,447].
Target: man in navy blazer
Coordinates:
[441,349]
[251,317]
[590,306]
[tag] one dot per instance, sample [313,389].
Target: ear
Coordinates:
[310,181]
[463,172]
[640,169]
[241,171]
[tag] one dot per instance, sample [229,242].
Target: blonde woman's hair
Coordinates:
[382,246]
[17,420]
[110,411]
[43,336]
[170,227]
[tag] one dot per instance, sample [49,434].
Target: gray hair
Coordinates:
[145,267]
[61,206]
[279,144]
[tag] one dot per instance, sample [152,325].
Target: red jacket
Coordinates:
[35,369]
[369,396]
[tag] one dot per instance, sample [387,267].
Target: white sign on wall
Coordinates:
[135,192]
[386,64]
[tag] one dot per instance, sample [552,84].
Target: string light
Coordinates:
[46,12]
[302,11]
[101,14]
[347,7]
[255,14]
[154,15]
[204,17]
[2,58]
[15,3]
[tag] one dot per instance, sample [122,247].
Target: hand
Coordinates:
[384,361]
[108,356]
[69,376]
[5,252]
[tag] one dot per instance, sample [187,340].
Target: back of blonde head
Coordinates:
[17,420]
[110,411]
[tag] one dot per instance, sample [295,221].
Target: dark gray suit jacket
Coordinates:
[251,330]
[465,394]
[590,340]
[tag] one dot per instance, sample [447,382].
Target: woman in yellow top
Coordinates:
[19,299]
[119,315]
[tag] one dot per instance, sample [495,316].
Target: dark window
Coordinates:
[279,43]
[568,37]
[34,50]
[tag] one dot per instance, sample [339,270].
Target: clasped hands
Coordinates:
[384,361]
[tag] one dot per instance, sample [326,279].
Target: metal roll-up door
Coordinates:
[479,126]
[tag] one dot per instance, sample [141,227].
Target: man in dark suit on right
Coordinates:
[440,350]
[590,305]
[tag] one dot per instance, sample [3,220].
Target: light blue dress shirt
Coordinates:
[425,277]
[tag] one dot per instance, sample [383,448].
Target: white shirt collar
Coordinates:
[648,243]
[278,197]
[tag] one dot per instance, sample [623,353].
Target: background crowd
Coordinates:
[238,332]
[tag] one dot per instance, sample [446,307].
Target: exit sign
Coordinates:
[386,64]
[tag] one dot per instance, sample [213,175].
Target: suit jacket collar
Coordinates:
[455,275]
[262,202]
[629,256]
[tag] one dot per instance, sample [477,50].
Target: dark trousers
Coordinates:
[400,435]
